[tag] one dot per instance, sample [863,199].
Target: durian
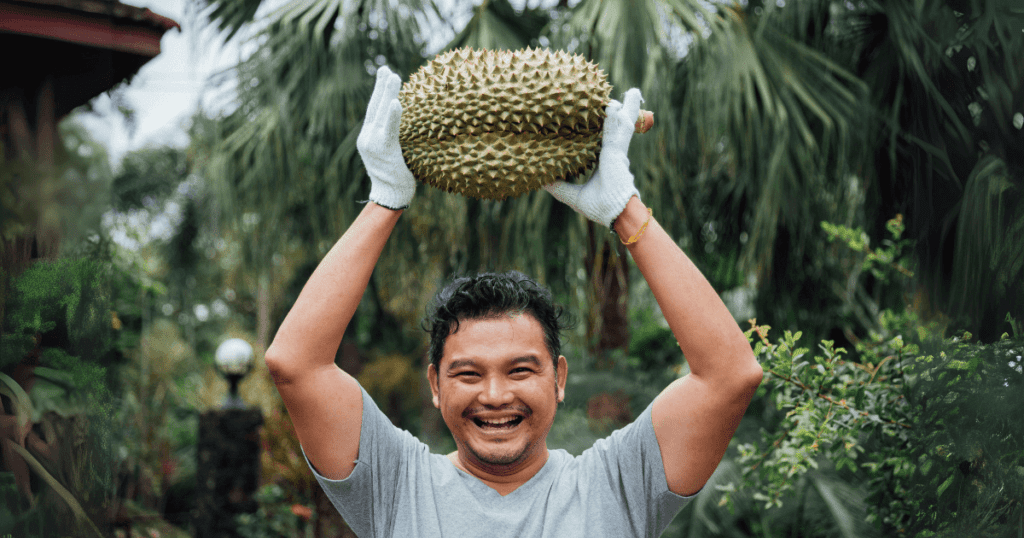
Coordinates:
[497,124]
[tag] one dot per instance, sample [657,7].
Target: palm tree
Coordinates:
[857,113]
[783,115]
[946,87]
[772,117]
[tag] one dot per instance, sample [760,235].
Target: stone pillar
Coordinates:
[227,470]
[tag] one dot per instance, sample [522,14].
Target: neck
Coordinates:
[501,478]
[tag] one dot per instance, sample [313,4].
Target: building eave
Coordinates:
[106,25]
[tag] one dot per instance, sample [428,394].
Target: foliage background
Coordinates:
[898,124]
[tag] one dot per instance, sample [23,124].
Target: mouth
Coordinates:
[498,424]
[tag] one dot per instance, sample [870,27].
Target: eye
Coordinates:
[522,370]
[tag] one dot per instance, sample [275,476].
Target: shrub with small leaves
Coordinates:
[960,470]
[830,403]
[931,425]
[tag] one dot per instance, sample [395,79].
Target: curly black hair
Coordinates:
[488,295]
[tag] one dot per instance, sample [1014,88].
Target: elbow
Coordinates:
[739,375]
[755,373]
[276,365]
[751,374]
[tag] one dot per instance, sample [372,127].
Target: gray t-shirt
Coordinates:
[398,488]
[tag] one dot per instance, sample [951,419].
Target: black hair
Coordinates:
[488,295]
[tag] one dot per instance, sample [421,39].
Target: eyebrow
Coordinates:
[470,362]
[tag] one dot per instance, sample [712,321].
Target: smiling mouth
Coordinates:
[498,424]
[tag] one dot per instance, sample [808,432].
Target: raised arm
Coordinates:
[696,416]
[325,404]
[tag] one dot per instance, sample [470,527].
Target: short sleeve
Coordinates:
[367,498]
[626,475]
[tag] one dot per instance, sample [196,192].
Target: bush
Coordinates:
[930,425]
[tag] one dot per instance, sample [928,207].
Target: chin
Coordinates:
[499,457]
[506,458]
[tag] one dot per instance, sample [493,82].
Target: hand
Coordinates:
[603,198]
[391,183]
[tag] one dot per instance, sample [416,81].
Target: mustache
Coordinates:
[522,409]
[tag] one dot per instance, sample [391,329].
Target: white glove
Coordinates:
[604,197]
[391,183]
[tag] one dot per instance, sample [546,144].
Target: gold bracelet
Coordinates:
[643,228]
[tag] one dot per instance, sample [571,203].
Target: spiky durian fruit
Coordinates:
[495,124]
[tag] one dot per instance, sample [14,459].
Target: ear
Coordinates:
[560,376]
[432,378]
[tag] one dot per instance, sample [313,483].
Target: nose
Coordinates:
[496,392]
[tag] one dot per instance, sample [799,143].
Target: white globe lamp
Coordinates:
[234,360]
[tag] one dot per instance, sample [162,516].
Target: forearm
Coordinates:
[310,334]
[714,346]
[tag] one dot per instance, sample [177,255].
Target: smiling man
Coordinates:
[497,375]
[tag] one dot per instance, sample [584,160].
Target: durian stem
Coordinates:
[645,121]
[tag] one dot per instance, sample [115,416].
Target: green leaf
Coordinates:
[945,485]
[64,494]
[22,403]
[837,506]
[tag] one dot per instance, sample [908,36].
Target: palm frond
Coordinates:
[788,118]
[626,38]
[230,17]
[946,81]
[496,25]
[987,224]
[844,504]
[81,518]
[288,151]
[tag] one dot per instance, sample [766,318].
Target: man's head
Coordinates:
[494,362]
[491,295]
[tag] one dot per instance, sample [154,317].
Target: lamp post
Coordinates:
[228,466]
[234,362]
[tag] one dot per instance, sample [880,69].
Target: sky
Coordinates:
[169,88]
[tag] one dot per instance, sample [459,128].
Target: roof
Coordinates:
[111,8]
[106,24]
[83,47]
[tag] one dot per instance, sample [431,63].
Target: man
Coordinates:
[497,376]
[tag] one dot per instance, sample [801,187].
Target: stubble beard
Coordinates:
[501,458]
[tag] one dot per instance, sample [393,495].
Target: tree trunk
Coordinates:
[608,321]
[263,310]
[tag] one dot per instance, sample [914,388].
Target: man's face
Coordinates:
[497,389]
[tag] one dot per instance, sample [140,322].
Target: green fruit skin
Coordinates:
[498,124]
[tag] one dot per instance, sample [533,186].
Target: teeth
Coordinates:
[498,422]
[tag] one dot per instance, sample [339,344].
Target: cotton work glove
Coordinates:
[604,197]
[391,183]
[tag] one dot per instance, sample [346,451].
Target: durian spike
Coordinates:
[645,121]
